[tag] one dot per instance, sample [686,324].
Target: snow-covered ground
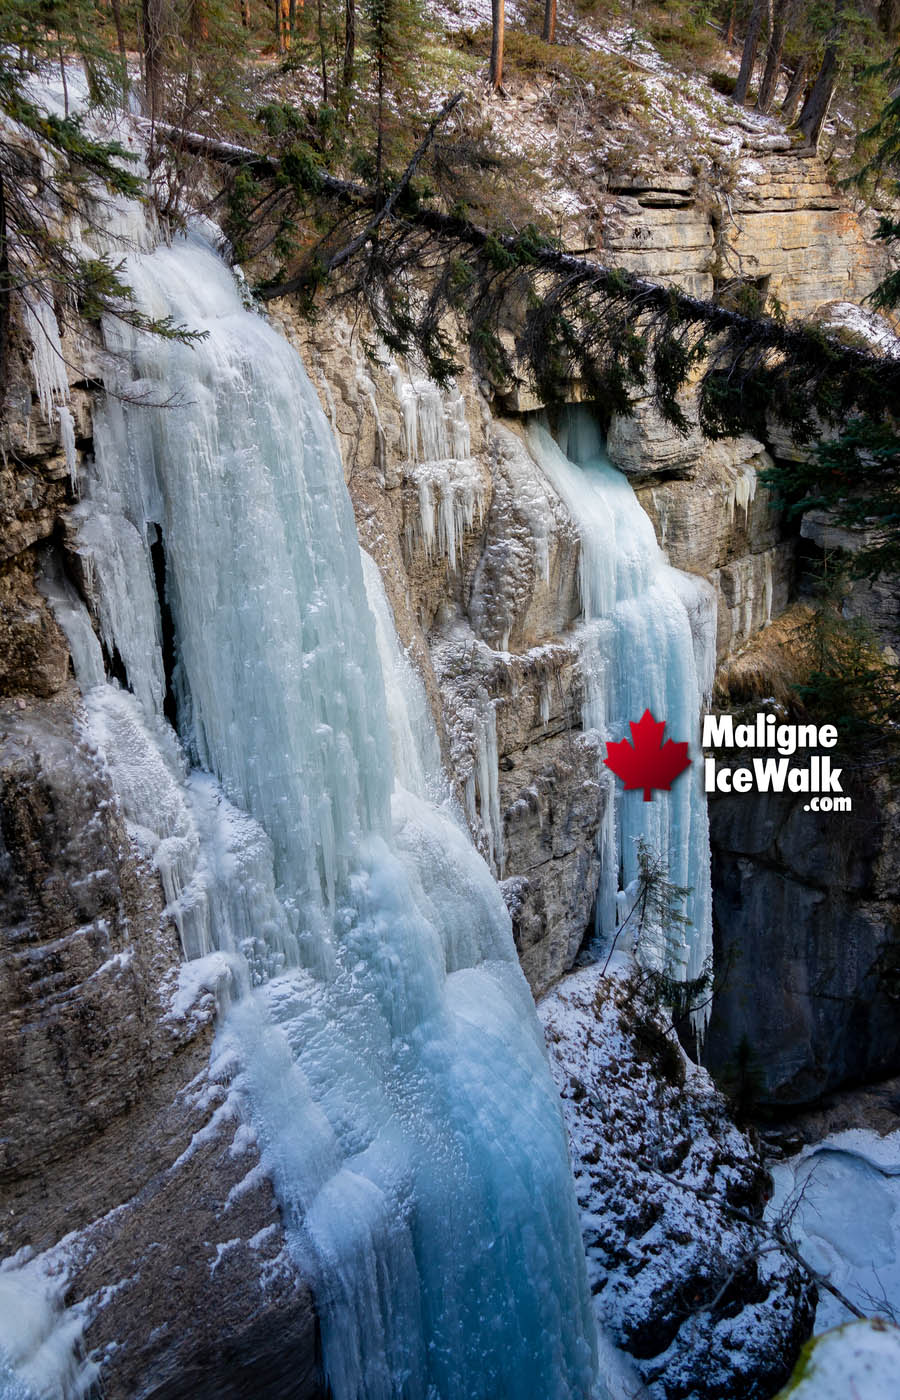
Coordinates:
[680,1281]
[860,1361]
[844,1195]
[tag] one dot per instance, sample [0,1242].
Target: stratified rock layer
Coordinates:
[124,1157]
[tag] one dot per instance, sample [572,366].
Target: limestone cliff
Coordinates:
[125,1166]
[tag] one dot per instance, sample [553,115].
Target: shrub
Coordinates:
[724,83]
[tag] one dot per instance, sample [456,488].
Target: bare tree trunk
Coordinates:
[120,38]
[889,18]
[379,144]
[498,21]
[323,66]
[151,24]
[748,57]
[729,37]
[783,17]
[815,108]
[349,41]
[245,13]
[549,34]
[199,25]
[795,92]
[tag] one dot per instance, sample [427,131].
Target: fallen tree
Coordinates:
[534,313]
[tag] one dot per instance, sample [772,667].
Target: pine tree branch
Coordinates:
[755,346]
[345,254]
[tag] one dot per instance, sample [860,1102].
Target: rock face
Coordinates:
[480,562]
[125,1167]
[670,1193]
[772,219]
[716,519]
[120,1139]
[806,929]
[127,1177]
[480,559]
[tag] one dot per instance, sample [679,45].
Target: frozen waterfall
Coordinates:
[648,642]
[384,1037]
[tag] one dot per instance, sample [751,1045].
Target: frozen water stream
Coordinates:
[388,1052]
[845,1196]
[648,642]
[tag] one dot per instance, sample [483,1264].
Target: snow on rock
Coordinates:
[846,320]
[860,1359]
[200,978]
[39,1337]
[668,1189]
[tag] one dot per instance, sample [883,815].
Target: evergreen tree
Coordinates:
[49,161]
[856,476]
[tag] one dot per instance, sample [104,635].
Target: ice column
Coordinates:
[389,1053]
[648,642]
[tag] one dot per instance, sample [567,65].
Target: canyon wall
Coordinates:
[480,558]
[125,1166]
[131,1192]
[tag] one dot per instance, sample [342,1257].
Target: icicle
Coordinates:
[48,367]
[648,641]
[483,784]
[545,701]
[744,488]
[67,435]
[364,383]
[73,618]
[768,583]
[437,442]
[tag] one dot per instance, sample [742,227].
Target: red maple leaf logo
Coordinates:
[651,763]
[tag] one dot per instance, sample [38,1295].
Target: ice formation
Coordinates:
[482,792]
[39,1337]
[48,367]
[67,436]
[414,742]
[742,492]
[393,1068]
[843,1196]
[648,641]
[859,1359]
[436,439]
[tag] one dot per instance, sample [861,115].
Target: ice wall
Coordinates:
[382,1035]
[648,642]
